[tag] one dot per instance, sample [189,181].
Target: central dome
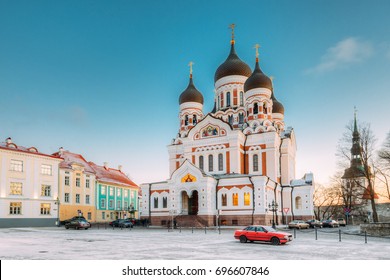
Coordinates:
[233,65]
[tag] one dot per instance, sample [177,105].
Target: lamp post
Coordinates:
[273,207]
[57,202]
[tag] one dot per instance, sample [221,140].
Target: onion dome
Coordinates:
[277,107]
[258,79]
[233,65]
[191,94]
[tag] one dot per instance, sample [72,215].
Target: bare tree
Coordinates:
[384,152]
[383,168]
[326,201]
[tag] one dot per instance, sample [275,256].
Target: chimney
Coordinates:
[105,165]
[61,151]
[120,168]
[8,140]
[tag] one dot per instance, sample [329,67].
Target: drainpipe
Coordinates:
[244,171]
[216,200]
[292,206]
[253,199]
[150,203]
[280,174]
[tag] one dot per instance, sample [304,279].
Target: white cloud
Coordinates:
[346,52]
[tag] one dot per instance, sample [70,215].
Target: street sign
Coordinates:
[347,210]
[285,210]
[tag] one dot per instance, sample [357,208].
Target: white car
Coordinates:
[298,224]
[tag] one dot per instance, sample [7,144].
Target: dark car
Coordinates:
[127,223]
[314,223]
[77,224]
[262,233]
[115,223]
[72,219]
[330,223]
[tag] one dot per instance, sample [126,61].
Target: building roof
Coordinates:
[258,79]
[71,158]
[277,107]
[111,175]
[191,94]
[10,146]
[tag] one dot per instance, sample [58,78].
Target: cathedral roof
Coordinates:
[233,65]
[191,94]
[277,107]
[258,79]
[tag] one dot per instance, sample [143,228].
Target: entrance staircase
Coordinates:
[190,221]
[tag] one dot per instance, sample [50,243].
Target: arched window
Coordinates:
[165,202]
[219,102]
[241,98]
[228,99]
[156,202]
[201,164]
[255,163]
[298,203]
[265,111]
[247,199]
[255,108]
[210,163]
[230,119]
[220,162]
[186,120]
[194,120]
[224,199]
[235,199]
[241,118]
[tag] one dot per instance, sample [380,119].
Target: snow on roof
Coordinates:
[72,158]
[111,175]
[9,145]
[306,180]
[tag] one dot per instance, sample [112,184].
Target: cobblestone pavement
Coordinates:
[158,243]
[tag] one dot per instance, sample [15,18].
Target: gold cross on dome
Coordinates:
[232,26]
[257,47]
[190,64]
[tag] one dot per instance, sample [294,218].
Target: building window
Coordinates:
[220,162]
[89,216]
[111,191]
[46,169]
[247,199]
[16,165]
[103,215]
[194,120]
[118,204]
[210,163]
[45,190]
[103,190]
[265,109]
[16,188]
[235,199]
[255,108]
[228,99]
[126,193]
[87,183]
[15,208]
[102,203]
[118,192]
[201,164]
[230,119]
[66,180]
[111,203]
[219,103]
[165,202]
[66,198]
[241,118]
[77,198]
[186,120]
[224,199]
[298,203]
[221,100]
[155,202]
[78,182]
[255,163]
[241,98]
[45,208]
[87,199]
[125,205]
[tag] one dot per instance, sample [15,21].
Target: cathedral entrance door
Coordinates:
[193,204]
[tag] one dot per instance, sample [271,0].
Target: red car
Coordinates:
[262,233]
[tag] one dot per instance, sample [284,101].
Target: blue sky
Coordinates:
[103,78]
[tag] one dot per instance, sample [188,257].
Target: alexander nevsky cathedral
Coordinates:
[234,165]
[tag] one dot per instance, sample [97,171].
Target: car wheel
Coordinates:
[275,241]
[77,228]
[243,239]
[66,227]
[86,228]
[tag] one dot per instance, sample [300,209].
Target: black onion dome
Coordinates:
[277,107]
[233,65]
[191,94]
[257,80]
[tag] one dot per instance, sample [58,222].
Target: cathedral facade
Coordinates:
[234,165]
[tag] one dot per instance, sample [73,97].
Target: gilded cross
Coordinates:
[232,26]
[257,46]
[190,64]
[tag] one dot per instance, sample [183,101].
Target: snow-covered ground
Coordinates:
[157,243]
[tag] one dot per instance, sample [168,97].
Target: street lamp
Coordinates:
[273,207]
[57,202]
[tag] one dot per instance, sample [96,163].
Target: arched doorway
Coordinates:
[189,205]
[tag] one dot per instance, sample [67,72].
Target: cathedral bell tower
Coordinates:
[191,107]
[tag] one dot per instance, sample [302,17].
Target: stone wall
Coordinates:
[376,229]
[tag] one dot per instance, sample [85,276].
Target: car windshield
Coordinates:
[271,229]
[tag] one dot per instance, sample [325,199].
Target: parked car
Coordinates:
[330,223]
[262,233]
[72,219]
[77,224]
[298,224]
[115,223]
[127,223]
[341,222]
[314,223]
